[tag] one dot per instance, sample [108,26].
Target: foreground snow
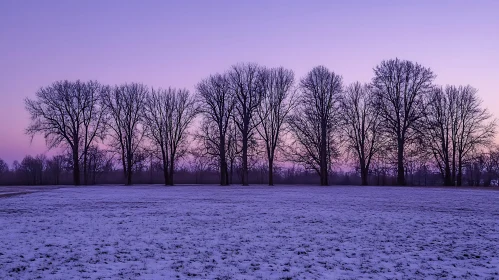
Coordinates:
[246,233]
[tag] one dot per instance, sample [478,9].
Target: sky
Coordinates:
[178,43]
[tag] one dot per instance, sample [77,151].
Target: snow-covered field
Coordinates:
[154,232]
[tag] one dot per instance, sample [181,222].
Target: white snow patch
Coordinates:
[153,232]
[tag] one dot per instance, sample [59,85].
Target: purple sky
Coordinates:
[177,43]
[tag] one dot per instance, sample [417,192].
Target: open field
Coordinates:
[146,232]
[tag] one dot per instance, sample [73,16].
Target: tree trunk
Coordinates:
[76,167]
[459,171]
[453,172]
[363,175]
[400,164]
[231,176]
[323,155]
[170,176]
[224,177]
[271,171]
[85,167]
[129,171]
[165,172]
[245,160]
[448,176]
[123,162]
[363,169]
[129,178]
[223,163]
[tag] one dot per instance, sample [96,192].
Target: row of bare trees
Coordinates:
[481,168]
[43,170]
[251,114]
[456,126]
[246,104]
[399,115]
[76,115]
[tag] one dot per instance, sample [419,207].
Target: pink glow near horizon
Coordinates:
[177,43]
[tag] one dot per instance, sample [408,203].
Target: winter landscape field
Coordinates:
[256,232]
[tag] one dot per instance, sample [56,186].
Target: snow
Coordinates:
[155,232]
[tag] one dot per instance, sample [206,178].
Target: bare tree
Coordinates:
[234,150]
[481,167]
[314,121]
[55,166]
[440,122]
[361,124]
[490,163]
[475,126]
[455,126]
[200,164]
[167,115]
[248,94]
[399,88]
[68,113]
[32,169]
[124,104]
[277,103]
[4,168]
[216,105]
[99,161]
[94,120]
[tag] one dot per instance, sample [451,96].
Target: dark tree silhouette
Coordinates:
[200,164]
[400,87]
[455,127]
[94,120]
[475,126]
[55,166]
[248,95]
[167,116]
[234,150]
[68,113]
[489,163]
[440,124]
[4,168]
[361,125]
[216,105]
[400,129]
[125,104]
[99,162]
[277,103]
[33,168]
[315,119]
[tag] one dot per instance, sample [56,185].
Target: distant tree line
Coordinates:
[254,124]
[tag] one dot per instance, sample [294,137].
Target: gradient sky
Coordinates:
[177,43]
